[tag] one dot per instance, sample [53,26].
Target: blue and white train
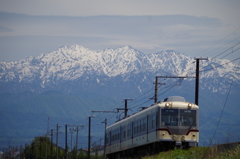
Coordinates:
[170,123]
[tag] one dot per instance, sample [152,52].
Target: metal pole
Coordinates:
[105,137]
[126,108]
[89,138]
[57,143]
[197,78]
[51,142]
[156,90]
[71,137]
[66,147]
[77,144]
[46,145]
[197,82]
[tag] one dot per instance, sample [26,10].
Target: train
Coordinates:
[172,122]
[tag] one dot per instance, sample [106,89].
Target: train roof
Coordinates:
[174,99]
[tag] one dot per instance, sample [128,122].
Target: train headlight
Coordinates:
[167,104]
[174,137]
[183,138]
[190,105]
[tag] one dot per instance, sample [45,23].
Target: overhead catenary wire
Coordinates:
[230,61]
[149,99]
[226,51]
[171,86]
[220,48]
[217,42]
[221,114]
[230,52]
[220,65]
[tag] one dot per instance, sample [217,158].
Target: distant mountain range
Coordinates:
[76,63]
[72,75]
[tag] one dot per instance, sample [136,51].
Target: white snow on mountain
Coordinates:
[69,63]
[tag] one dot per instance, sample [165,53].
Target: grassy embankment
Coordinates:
[199,153]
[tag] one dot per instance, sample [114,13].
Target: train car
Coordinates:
[170,123]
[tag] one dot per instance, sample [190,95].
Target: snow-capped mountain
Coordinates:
[76,63]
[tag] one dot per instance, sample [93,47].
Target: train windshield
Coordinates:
[187,117]
[169,117]
[178,117]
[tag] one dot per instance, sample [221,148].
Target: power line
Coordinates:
[225,46]
[218,42]
[230,52]
[221,113]
[226,50]
[220,65]
[223,107]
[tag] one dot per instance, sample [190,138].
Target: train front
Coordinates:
[179,124]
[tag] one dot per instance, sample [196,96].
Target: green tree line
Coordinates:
[42,148]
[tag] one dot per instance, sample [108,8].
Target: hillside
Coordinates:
[200,153]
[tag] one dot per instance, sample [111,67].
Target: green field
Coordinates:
[199,153]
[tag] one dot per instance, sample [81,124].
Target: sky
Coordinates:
[203,28]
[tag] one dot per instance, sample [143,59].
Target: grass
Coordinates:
[198,153]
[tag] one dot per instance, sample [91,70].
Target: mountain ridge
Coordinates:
[71,63]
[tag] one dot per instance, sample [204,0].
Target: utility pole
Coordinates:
[66,147]
[71,131]
[77,143]
[156,89]
[126,104]
[51,142]
[105,128]
[47,134]
[156,84]
[57,140]
[125,108]
[76,135]
[197,78]
[105,136]
[89,134]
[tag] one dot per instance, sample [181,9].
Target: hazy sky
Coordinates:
[195,28]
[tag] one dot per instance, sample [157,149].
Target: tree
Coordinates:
[40,148]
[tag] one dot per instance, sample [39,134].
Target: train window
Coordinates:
[129,130]
[145,124]
[187,117]
[169,117]
[118,134]
[138,126]
[115,135]
[135,128]
[152,121]
[123,132]
[111,137]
